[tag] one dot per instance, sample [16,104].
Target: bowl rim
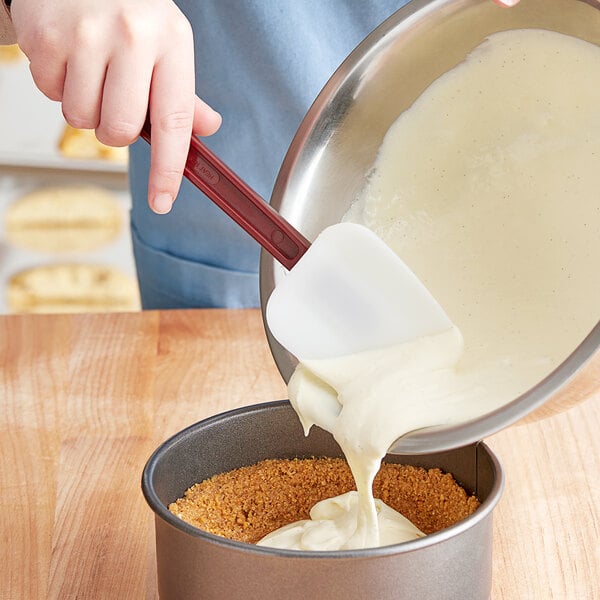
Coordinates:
[162,511]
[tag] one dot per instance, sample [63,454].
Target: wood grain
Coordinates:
[85,399]
[547,525]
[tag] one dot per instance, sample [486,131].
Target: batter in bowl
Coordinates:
[487,187]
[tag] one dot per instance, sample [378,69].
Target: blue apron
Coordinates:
[260,63]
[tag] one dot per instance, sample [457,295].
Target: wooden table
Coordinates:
[85,400]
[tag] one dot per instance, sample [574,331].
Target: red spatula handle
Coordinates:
[213,177]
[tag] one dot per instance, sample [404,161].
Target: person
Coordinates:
[260,62]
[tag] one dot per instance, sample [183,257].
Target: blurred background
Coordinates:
[64,207]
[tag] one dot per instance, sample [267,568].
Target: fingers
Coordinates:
[206,120]
[82,92]
[172,103]
[164,165]
[166,170]
[47,61]
[49,77]
[170,148]
[125,97]
[171,116]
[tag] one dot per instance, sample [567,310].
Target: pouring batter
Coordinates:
[497,212]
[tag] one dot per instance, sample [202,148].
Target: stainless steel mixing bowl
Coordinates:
[337,143]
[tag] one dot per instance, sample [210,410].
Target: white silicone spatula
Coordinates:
[349,293]
[345,293]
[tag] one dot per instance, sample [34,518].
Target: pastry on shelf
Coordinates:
[64,219]
[83,144]
[72,288]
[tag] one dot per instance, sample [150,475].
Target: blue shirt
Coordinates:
[260,63]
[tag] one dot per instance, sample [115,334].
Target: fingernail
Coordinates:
[162,203]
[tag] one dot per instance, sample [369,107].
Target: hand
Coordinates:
[108,63]
[506,2]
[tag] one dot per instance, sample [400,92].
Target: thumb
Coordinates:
[206,120]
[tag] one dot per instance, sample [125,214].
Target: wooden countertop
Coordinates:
[85,399]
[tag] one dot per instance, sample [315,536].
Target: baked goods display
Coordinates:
[71,288]
[247,503]
[65,245]
[64,236]
[64,218]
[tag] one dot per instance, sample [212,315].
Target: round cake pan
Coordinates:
[452,564]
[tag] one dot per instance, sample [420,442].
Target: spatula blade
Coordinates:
[350,293]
